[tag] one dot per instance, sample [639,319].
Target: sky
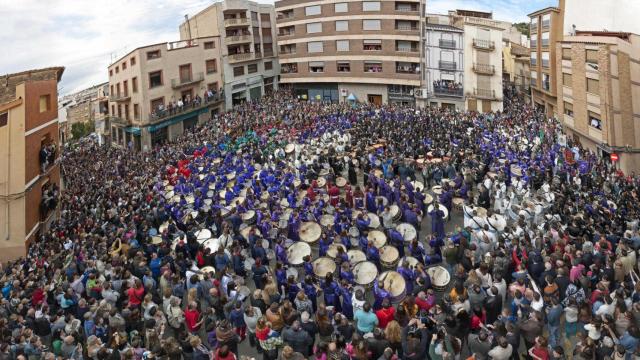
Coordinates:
[85,36]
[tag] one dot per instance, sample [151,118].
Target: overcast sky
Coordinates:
[85,35]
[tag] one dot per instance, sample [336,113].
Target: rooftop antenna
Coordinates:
[186,18]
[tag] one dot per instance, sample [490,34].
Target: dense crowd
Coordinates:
[557,282]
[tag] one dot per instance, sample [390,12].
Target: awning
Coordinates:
[132,130]
[351,97]
[178,118]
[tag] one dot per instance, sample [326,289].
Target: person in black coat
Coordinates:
[493,306]
[353,176]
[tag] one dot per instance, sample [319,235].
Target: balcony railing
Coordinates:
[445,91]
[447,44]
[268,53]
[484,93]
[286,33]
[234,58]
[180,82]
[406,9]
[484,69]
[447,65]
[119,97]
[484,44]
[409,50]
[236,22]
[237,39]
[546,24]
[48,156]
[406,28]
[407,70]
[164,114]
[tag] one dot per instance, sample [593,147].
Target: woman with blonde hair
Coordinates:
[192,295]
[393,334]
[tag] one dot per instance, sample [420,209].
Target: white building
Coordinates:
[601,15]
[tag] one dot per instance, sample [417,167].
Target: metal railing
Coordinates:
[400,49]
[484,93]
[484,44]
[406,28]
[236,21]
[447,65]
[484,69]
[240,57]
[178,82]
[407,70]
[119,97]
[445,91]
[236,39]
[161,115]
[406,9]
[447,44]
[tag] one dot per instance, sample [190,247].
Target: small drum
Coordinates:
[327,221]
[341,182]
[441,207]
[231,176]
[249,217]
[212,186]
[408,231]
[297,251]
[384,200]
[202,235]
[440,277]
[394,210]
[394,283]
[240,200]
[289,148]
[332,252]
[208,202]
[413,262]
[356,256]
[297,183]
[437,190]
[389,256]
[264,196]
[458,203]
[428,199]
[169,194]
[374,221]
[211,244]
[222,194]
[322,266]
[365,273]
[354,232]
[378,238]
[245,232]
[208,270]
[417,185]
[310,232]
[322,182]
[190,199]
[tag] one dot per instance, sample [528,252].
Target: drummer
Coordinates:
[387,218]
[345,295]
[323,244]
[331,292]
[281,252]
[416,249]
[409,275]
[362,223]
[334,194]
[311,290]
[346,273]
[397,240]
[379,294]
[437,221]
[373,254]
[281,278]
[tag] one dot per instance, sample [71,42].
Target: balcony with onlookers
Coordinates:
[447,65]
[447,88]
[487,94]
[291,68]
[484,69]
[447,44]
[187,80]
[285,14]
[481,44]
[48,154]
[49,200]
[184,105]
[407,68]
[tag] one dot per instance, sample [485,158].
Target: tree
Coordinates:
[523,27]
[80,130]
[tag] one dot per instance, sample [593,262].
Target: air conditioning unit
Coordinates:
[421,93]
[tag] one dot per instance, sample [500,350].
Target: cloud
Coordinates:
[85,36]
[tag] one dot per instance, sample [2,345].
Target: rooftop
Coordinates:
[443,27]
[544,11]
[621,35]
[474,13]
[9,82]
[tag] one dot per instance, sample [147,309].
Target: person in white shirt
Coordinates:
[502,351]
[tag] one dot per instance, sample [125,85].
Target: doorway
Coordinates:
[374,99]
[486,106]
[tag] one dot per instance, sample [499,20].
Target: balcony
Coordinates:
[49,200]
[48,156]
[447,44]
[447,65]
[236,58]
[268,53]
[406,7]
[546,24]
[484,44]
[237,39]
[407,70]
[163,114]
[176,45]
[286,33]
[186,81]
[116,120]
[486,94]
[446,91]
[484,69]
[407,50]
[236,22]
[406,28]
[120,97]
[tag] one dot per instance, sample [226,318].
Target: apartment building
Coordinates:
[483,41]
[158,91]
[516,71]
[89,105]
[247,35]
[599,93]
[443,75]
[367,51]
[546,31]
[30,175]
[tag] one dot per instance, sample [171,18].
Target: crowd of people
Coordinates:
[447,85]
[122,275]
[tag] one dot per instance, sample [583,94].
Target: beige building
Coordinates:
[30,170]
[90,105]
[148,85]
[546,32]
[515,68]
[482,59]
[367,51]
[599,93]
[247,33]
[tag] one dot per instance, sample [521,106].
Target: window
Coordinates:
[566,53]
[45,103]
[157,104]
[208,45]
[125,88]
[371,25]
[290,68]
[118,89]
[594,120]
[213,86]
[136,112]
[117,69]
[153,54]
[254,16]
[342,25]
[113,110]
[534,43]
[268,65]
[133,61]
[155,79]
[110,72]
[534,78]
[545,39]
[593,86]
[252,68]
[371,6]
[314,28]
[211,66]
[314,47]
[546,82]
[126,111]
[134,84]
[343,66]
[312,10]
[316,66]
[545,59]
[185,73]
[4,119]
[111,92]
[124,65]
[566,79]
[341,7]
[373,66]
[534,58]
[372,45]
[238,71]
[568,108]
[592,56]
[342,45]
[546,21]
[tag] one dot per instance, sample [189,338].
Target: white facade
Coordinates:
[599,15]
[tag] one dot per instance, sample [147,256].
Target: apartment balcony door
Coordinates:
[187,95]
[374,99]
[185,73]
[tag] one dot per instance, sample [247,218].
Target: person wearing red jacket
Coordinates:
[192,318]
[334,195]
[385,314]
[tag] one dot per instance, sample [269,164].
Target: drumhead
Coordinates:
[439,276]
[333,250]
[378,238]
[393,282]
[365,272]
[408,231]
[389,254]
[356,256]
[322,266]
[297,251]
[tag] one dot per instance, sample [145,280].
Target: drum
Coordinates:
[211,244]
[203,234]
[264,196]
[249,217]
[437,190]
[156,240]
[190,199]
[164,226]
[378,238]
[332,252]
[327,221]
[384,200]
[408,231]
[310,232]
[389,256]
[290,148]
[231,176]
[395,212]
[208,202]
[365,273]
[417,185]
[492,175]
[497,222]
[516,170]
[292,272]
[356,256]
[354,232]
[377,173]
[297,183]
[394,283]
[481,212]
[297,251]
[169,194]
[222,194]
[374,221]
[441,207]
[413,262]
[322,266]
[458,203]
[341,182]
[322,182]
[440,277]
[245,232]
[428,199]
